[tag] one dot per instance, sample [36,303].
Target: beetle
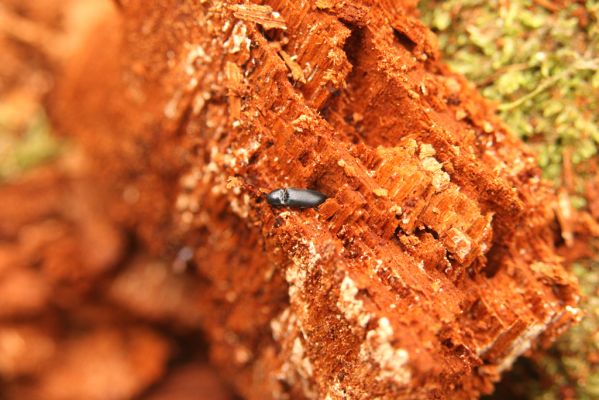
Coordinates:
[296,198]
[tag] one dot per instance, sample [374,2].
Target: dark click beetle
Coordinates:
[297,198]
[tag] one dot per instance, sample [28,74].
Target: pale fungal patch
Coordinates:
[241,208]
[352,308]
[234,184]
[300,359]
[304,258]
[288,328]
[524,341]
[243,154]
[238,39]
[213,177]
[280,324]
[338,392]
[440,180]
[297,367]
[295,277]
[195,56]
[392,362]
[521,344]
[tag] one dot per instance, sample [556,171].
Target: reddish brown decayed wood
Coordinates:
[427,271]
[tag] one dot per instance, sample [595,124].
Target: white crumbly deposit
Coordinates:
[458,243]
[440,178]
[351,307]
[195,54]
[392,362]
[288,328]
[381,192]
[239,39]
[301,123]
[195,57]
[524,341]
[521,344]
[297,367]
[338,392]
[280,325]
[304,258]
[241,207]
[300,359]
[574,311]
[426,150]
[295,277]
[396,209]
[214,175]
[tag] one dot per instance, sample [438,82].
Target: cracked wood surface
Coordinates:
[431,266]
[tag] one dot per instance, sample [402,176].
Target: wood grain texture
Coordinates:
[430,267]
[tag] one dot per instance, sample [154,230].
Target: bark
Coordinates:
[430,267]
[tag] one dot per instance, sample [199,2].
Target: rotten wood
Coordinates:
[431,266]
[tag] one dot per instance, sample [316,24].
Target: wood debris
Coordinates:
[297,73]
[260,14]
